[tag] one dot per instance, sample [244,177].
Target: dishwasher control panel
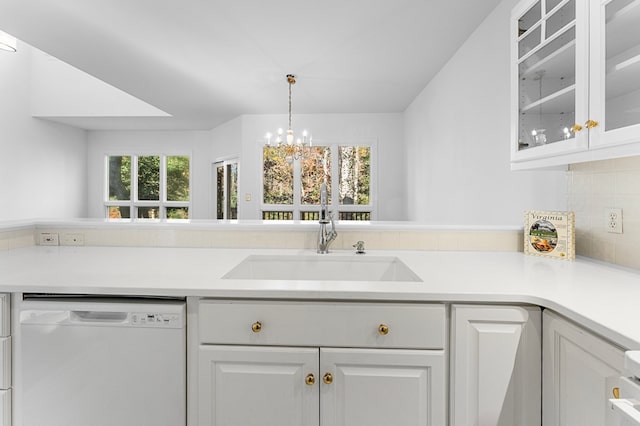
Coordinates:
[156,319]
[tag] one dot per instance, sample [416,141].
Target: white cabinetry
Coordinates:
[288,363]
[580,371]
[5,360]
[381,387]
[495,365]
[575,86]
[257,386]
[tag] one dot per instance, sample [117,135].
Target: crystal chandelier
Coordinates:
[294,150]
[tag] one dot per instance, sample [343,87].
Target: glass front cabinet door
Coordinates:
[549,78]
[575,81]
[615,72]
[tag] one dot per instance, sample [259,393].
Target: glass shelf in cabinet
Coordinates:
[559,102]
[548,46]
[622,77]
[622,27]
[560,63]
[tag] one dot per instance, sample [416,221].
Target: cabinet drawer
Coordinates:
[5,313]
[5,363]
[5,407]
[407,325]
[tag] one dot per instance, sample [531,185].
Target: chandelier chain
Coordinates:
[290,104]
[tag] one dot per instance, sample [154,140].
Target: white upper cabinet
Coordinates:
[615,72]
[575,81]
[549,78]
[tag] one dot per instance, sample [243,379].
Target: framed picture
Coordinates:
[550,234]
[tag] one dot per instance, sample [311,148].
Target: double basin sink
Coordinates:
[322,268]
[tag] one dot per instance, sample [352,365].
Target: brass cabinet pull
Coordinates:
[327,378]
[591,124]
[576,128]
[310,379]
[383,329]
[256,327]
[616,393]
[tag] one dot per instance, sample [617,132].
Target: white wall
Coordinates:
[42,165]
[383,131]
[457,136]
[227,140]
[61,90]
[196,144]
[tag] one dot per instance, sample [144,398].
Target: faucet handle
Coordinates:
[359,246]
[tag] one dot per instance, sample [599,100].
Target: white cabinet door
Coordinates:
[380,387]
[580,371]
[258,386]
[495,365]
[549,49]
[615,67]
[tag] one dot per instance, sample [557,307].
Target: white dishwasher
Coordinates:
[101,362]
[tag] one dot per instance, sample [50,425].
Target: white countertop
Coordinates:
[601,297]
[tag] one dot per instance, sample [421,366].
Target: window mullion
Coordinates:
[162,196]
[225,190]
[335,178]
[134,187]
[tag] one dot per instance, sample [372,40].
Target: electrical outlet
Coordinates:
[72,240]
[613,220]
[48,239]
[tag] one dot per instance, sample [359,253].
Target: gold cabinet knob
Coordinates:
[310,379]
[327,378]
[616,393]
[383,329]
[591,124]
[576,128]
[256,327]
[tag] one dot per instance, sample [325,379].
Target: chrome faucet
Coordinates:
[325,236]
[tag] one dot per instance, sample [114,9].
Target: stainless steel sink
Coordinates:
[322,268]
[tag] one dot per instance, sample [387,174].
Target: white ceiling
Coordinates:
[208,61]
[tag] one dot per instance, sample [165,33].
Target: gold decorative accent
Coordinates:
[576,128]
[591,124]
[310,379]
[383,329]
[616,393]
[256,327]
[327,378]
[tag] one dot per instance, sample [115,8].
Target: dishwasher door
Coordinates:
[102,363]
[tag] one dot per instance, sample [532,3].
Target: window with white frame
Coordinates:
[291,189]
[155,186]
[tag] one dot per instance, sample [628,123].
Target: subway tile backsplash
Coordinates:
[595,187]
